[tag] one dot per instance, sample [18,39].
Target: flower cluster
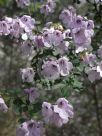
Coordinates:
[49,7]
[53,69]
[57,114]
[30,128]
[17,27]
[3,106]
[81,28]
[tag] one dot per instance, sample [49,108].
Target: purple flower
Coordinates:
[65,105]
[57,114]
[57,37]
[23,3]
[15,29]
[49,7]
[35,128]
[47,111]
[82,39]
[4,28]
[65,66]
[27,74]
[30,128]
[50,70]
[45,9]
[22,130]
[78,22]
[3,106]
[39,41]
[33,94]
[66,16]
[27,23]
[90,24]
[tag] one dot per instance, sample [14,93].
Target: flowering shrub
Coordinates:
[61,56]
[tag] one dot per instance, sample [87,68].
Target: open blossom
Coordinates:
[47,111]
[57,114]
[33,93]
[66,17]
[28,23]
[30,128]
[52,37]
[50,70]
[82,39]
[65,66]
[4,28]
[65,105]
[49,7]
[3,106]
[23,3]
[27,74]
[39,41]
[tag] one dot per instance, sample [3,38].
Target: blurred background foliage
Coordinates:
[87,103]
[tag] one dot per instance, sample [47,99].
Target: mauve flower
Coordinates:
[39,41]
[59,116]
[90,24]
[30,128]
[77,22]
[65,66]
[51,4]
[50,70]
[23,3]
[93,74]
[15,29]
[65,105]
[26,48]
[33,93]
[22,130]
[47,111]
[48,37]
[45,9]
[66,17]
[4,28]
[27,23]
[27,74]
[3,106]
[57,37]
[80,35]
[35,128]
[49,7]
